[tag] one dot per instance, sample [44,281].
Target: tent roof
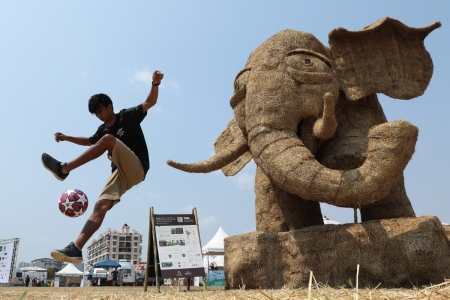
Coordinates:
[70,270]
[209,259]
[215,245]
[107,263]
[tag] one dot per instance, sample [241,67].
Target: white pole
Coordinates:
[310,284]
[357,276]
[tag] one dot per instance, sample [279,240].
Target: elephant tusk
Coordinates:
[325,127]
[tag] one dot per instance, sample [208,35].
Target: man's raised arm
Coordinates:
[153,95]
[82,141]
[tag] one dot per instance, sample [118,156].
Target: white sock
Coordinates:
[63,168]
[76,246]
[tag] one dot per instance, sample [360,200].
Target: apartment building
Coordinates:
[116,245]
[46,263]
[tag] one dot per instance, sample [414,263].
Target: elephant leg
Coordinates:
[395,205]
[279,211]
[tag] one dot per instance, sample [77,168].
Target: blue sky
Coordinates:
[56,54]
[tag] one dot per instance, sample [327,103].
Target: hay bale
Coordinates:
[395,252]
[447,229]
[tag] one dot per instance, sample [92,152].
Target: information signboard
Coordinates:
[179,248]
[8,249]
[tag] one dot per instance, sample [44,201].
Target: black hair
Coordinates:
[97,100]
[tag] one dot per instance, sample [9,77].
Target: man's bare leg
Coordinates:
[61,170]
[106,143]
[94,222]
[72,253]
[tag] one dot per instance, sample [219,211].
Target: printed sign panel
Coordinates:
[6,254]
[216,278]
[179,249]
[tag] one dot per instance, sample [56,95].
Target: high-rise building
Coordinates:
[116,245]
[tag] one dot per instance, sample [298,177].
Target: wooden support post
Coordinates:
[149,249]
[155,251]
[194,211]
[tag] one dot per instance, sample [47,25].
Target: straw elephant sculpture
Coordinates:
[309,117]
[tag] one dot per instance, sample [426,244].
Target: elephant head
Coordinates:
[292,79]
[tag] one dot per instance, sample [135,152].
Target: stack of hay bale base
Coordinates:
[402,252]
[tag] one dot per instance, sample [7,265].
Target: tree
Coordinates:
[51,273]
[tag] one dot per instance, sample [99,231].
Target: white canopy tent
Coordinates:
[72,274]
[70,270]
[33,272]
[216,246]
[213,251]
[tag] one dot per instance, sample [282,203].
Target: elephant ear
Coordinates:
[385,57]
[233,135]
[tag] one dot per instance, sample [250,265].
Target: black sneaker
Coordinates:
[54,166]
[70,254]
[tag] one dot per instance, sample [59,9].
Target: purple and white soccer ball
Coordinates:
[73,203]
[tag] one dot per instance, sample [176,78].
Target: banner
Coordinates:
[179,248]
[6,255]
[216,278]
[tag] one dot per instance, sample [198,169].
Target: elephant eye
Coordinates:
[236,86]
[308,62]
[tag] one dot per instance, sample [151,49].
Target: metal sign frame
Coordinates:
[160,223]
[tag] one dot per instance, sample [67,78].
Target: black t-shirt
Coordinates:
[127,128]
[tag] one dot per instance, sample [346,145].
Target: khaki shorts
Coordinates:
[129,172]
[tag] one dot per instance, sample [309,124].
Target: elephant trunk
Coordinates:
[225,154]
[272,117]
[284,158]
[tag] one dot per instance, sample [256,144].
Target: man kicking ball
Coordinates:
[121,135]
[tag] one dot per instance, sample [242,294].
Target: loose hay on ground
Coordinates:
[441,291]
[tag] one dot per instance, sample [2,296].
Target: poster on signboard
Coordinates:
[216,278]
[179,248]
[6,255]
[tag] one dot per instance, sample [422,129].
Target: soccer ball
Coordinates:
[73,203]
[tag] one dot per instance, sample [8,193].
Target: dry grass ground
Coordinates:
[441,291]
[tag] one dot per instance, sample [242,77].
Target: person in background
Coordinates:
[27,281]
[114,275]
[90,274]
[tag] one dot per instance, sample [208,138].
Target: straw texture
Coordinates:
[309,117]
[401,252]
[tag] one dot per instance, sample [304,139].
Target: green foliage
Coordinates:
[23,295]
[350,283]
[51,273]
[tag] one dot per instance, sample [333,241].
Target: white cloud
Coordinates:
[156,109]
[207,221]
[188,209]
[143,75]
[244,181]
